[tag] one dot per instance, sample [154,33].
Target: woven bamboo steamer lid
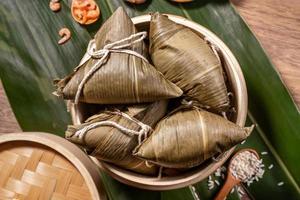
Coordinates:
[236,85]
[38,165]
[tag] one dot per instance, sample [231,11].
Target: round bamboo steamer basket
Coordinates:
[38,165]
[237,86]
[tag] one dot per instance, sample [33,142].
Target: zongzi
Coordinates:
[115,69]
[188,61]
[111,136]
[188,137]
[149,114]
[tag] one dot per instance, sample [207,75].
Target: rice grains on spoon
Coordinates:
[245,166]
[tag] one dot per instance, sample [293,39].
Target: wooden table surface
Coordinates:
[276,24]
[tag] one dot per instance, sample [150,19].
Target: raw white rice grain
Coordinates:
[247,167]
[271,166]
[280,183]
[218,172]
[240,191]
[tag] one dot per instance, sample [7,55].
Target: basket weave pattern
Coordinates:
[32,171]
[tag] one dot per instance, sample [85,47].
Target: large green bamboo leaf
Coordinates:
[30,59]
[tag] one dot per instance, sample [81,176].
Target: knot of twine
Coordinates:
[102,54]
[142,133]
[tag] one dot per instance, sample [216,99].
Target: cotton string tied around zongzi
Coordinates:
[102,54]
[142,133]
[110,144]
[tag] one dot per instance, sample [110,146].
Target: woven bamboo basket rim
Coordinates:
[238,86]
[77,173]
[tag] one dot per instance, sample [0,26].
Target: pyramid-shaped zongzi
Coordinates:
[113,145]
[188,137]
[188,61]
[123,77]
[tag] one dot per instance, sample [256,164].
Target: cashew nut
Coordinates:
[65,35]
[136,1]
[54,6]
